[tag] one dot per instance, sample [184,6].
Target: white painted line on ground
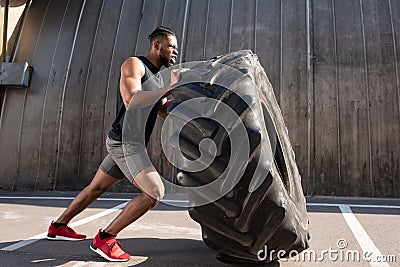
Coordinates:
[99,199]
[353,205]
[186,201]
[366,244]
[98,215]
[24,243]
[35,238]
[59,198]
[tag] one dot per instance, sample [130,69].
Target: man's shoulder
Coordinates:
[133,63]
[134,59]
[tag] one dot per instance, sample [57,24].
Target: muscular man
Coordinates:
[140,87]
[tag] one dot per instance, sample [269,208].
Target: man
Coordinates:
[140,87]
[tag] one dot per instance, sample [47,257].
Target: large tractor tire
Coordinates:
[260,207]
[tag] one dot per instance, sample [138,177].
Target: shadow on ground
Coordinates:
[145,251]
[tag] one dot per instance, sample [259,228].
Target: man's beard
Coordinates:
[166,62]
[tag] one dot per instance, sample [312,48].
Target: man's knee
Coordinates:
[154,195]
[95,190]
[150,183]
[100,183]
[158,192]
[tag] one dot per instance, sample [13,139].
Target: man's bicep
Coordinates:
[132,83]
[131,75]
[132,71]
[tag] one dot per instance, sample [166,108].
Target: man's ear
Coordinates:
[156,44]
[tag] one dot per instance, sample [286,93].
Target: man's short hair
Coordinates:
[161,31]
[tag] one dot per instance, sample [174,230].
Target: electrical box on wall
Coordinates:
[15,75]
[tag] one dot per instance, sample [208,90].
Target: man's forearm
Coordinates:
[141,99]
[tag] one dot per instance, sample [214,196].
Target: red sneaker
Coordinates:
[63,233]
[109,248]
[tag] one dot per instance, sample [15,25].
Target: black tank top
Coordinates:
[151,80]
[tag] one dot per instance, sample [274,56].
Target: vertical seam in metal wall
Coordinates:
[2,108]
[281,58]
[368,100]
[206,30]
[395,56]
[255,26]
[67,74]
[163,14]
[310,95]
[84,94]
[140,25]
[109,74]
[338,124]
[45,94]
[26,96]
[143,7]
[230,27]
[27,7]
[185,20]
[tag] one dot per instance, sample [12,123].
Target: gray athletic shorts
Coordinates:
[115,163]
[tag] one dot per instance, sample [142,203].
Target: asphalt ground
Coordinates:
[344,232]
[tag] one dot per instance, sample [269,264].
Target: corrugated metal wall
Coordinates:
[334,65]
